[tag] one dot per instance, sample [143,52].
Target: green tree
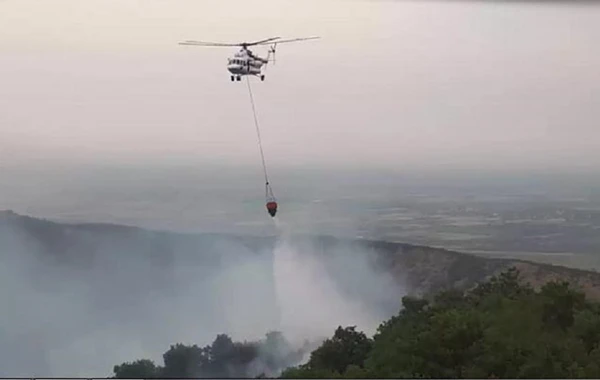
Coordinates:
[586,327]
[184,361]
[560,304]
[506,285]
[142,368]
[502,328]
[346,348]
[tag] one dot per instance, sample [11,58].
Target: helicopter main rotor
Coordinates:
[245,45]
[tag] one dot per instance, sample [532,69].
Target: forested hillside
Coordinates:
[502,328]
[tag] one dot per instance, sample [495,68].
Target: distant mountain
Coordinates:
[419,269]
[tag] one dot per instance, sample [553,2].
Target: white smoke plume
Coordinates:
[77,300]
[310,305]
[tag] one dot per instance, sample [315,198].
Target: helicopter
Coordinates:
[244,62]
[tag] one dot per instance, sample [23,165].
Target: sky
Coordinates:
[400,84]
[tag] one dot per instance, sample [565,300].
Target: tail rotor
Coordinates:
[272,51]
[269,59]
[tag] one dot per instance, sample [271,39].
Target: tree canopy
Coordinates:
[222,359]
[500,329]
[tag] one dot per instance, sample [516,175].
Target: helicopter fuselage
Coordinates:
[245,63]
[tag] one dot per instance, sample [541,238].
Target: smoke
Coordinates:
[310,304]
[77,300]
[312,301]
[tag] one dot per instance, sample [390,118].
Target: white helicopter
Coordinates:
[244,62]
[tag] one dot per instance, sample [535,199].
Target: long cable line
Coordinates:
[262,154]
[270,197]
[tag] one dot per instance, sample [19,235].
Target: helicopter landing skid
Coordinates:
[239,77]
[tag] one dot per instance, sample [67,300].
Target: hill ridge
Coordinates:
[421,268]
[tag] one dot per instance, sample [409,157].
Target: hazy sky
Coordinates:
[391,83]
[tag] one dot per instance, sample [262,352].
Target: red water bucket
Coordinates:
[272,208]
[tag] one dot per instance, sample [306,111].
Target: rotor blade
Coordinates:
[201,43]
[294,40]
[261,41]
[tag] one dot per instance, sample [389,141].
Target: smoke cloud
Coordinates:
[310,300]
[78,299]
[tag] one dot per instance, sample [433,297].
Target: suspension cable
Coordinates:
[262,155]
